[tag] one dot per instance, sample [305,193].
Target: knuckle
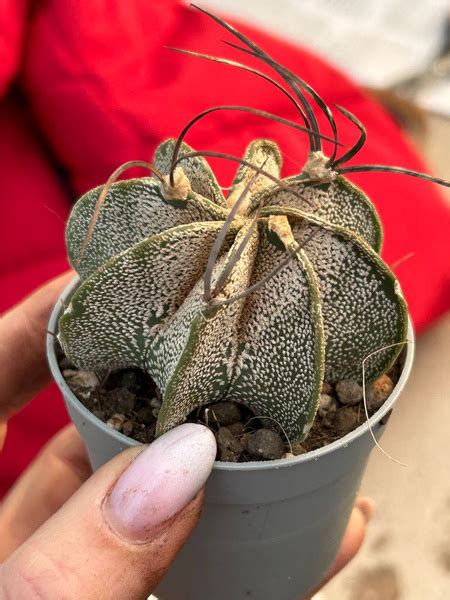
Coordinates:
[34,577]
[18,583]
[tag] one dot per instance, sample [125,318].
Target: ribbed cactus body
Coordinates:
[150,297]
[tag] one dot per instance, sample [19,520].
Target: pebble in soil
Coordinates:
[328,406]
[128,401]
[229,447]
[222,413]
[349,392]
[378,392]
[265,444]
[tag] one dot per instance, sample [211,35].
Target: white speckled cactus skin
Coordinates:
[257,297]
[142,298]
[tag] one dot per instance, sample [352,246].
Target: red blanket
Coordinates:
[87,84]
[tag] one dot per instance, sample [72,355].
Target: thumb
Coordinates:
[118,534]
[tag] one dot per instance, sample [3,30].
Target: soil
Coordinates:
[129,401]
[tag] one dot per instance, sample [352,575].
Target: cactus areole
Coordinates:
[257,297]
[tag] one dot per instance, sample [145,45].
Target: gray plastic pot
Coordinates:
[269,530]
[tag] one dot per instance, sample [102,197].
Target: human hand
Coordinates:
[65,532]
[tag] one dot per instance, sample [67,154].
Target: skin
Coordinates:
[54,540]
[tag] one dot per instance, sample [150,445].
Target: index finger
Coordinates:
[23,363]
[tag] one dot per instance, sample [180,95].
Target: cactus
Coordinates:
[257,297]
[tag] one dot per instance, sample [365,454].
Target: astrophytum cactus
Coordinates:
[257,297]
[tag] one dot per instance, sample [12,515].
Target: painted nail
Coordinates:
[162,480]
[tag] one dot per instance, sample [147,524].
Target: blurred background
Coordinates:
[400,50]
[397,49]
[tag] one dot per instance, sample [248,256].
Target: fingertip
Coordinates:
[208,438]
[367,507]
[23,365]
[160,482]
[352,542]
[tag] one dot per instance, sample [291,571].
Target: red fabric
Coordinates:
[12,28]
[103,90]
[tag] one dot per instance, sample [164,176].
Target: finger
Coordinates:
[118,534]
[51,479]
[362,513]
[367,506]
[354,535]
[23,364]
